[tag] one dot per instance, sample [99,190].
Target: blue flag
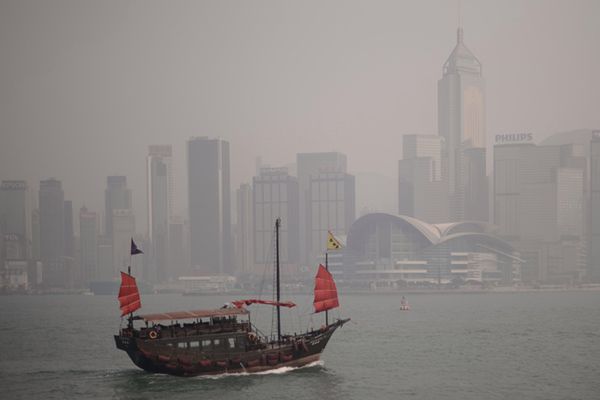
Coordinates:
[134,248]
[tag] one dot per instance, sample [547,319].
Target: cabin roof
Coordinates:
[180,315]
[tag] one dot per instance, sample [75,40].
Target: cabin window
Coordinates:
[232,343]
[170,344]
[206,343]
[195,344]
[217,342]
[182,345]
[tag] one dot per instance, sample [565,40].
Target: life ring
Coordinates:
[153,334]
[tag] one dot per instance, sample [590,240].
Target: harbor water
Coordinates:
[540,345]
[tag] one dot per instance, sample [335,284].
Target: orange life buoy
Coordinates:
[153,334]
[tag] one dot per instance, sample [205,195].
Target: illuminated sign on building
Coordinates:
[514,138]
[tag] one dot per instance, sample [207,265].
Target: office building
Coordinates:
[88,242]
[461,122]
[160,199]
[52,220]
[15,219]
[275,195]
[310,165]
[123,229]
[117,197]
[332,207]
[244,242]
[421,191]
[594,209]
[209,205]
[538,207]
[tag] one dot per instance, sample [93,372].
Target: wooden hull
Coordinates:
[296,351]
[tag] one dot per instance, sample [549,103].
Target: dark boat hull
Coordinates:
[296,351]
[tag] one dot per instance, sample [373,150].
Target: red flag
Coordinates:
[129,296]
[326,296]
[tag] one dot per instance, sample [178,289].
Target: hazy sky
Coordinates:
[86,86]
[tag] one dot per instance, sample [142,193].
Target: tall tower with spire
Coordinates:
[461,122]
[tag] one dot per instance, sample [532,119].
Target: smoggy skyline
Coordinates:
[86,87]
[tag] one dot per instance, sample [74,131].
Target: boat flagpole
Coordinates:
[327,268]
[277,223]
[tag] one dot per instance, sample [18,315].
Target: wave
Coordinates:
[276,371]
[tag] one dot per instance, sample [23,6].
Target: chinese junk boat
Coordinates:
[223,340]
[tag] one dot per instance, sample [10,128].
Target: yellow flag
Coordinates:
[332,242]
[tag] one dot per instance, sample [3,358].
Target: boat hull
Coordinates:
[296,351]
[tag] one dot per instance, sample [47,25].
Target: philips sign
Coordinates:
[514,138]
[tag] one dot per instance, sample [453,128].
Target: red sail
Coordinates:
[241,303]
[129,296]
[326,296]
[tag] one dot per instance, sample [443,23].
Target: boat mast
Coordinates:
[277,223]
[327,268]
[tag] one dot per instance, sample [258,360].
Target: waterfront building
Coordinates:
[310,165]
[117,197]
[244,229]
[123,229]
[52,220]
[461,122]
[421,191]
[88,242]
[15,219]
[275,194]
[331,208]
[538,207]
[209,206]
[385,250]
[594,209]
[160,199]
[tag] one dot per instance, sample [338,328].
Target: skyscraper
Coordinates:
[123,225]
[244,242]
[594,207]
[461,122]
[209,206]
[117,197]
[275,194]
[52,220]
[88,242]
[332,207]
[160,198]
[15,219]
[538,202]
[421,192]
[310,165]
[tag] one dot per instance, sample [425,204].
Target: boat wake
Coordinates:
[276,371]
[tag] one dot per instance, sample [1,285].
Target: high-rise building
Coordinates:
[68,229]
[123,229]
[425,146]
[461,122]
[178,247]
[310,165]
[15,219]
[275,195]
[594,209]
[209,205]
[332,207]
[160,199]
[421,191]
[35,234]
[538,203]
[88,242]
[244,243]
[117,197]
[52,220]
